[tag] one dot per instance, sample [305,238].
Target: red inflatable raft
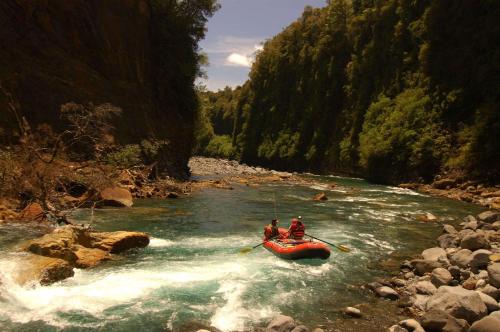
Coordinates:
[297,249]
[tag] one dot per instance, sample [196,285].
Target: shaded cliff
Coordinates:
[55,51]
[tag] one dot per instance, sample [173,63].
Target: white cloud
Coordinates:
[233,51]
[235,59]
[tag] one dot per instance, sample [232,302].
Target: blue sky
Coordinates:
[236,32]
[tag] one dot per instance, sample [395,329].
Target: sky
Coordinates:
[238,30]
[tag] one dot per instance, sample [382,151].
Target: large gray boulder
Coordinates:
[490,323]
[439,320]
[441,277]
[479,259]
[434,254]
[475,241]
[458,302]
[494,274]
[282,323]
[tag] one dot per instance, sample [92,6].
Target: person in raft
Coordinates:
[297,229]
[271,230]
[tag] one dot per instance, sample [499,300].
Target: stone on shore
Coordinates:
[434,254]
[116,196]
[441,277]
[439,320]
[427,217]
[300,328]
[475,241]
[320,197]
[45,270]
[490,303]
[282,323]
[448,241]
[490,323]
[387,292]
[412,325]
[491,291]
[449,229]
[479,259]
[489,216]
[353,312]
[423,266]
[458,302]
[425,287]
[397,328]
[461,258]
[494,274]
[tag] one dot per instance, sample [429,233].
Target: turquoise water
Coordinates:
[192,272]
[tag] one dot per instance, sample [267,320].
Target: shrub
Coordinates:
[220,146]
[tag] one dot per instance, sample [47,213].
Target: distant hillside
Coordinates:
[393,90]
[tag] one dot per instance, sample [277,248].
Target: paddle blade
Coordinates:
[245,250]
[343,248]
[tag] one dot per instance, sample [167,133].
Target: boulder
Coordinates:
[441,277]
[423,266]
[458,302]
[461,258]
[490,323]
[117,242]
[45,270]
[439,320]
[411,325]
[449,229]
[427,217]
[496,225]
[433,254]
[448,241]
[116,196]
[282,323]
[494,274]
[425,287]
[353,312]
[490,303]
[479,259]
[387,292]
[32,212]
[301,328]
[90,257]
[470,283]
[489,216]
[475,241]
[491,291]
[320,197]
[421,301]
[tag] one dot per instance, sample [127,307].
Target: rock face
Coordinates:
[46,270]
[116,196]
[458,302]
[54,52]
[81,248]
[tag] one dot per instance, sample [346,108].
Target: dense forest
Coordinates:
[393,90]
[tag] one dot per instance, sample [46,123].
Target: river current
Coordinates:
[192,272]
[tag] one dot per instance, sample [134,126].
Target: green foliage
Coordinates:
[220,146]
[127,156]
[403,135]
[388,89]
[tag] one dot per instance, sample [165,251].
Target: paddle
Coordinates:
[339,247]
[248,249]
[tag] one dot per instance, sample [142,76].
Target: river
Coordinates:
[192,271]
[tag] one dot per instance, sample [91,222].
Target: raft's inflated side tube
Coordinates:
[299,249]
